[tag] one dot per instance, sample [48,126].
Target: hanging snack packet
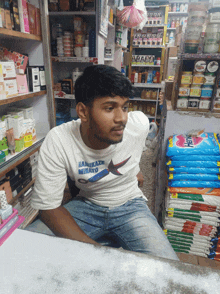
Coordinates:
[196,184]
[195,158]
[198,164]
[194,170]
[194,177]
[195,190]
[205,143]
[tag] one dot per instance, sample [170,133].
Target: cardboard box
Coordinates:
[172,51]
[178,39]
[171,68]
[179,29]
[11,88]
[38,22]
[198,260]
[8,69]
[168,90]
[15,14]
[31,18]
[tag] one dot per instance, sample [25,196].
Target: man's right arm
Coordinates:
[62,224]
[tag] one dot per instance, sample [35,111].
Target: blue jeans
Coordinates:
[131,226]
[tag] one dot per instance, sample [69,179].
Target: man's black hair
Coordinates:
[101,81]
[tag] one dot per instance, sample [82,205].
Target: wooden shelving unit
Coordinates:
[14,34]
[22,191]
[21,97]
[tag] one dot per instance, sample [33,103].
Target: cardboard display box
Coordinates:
[198,260]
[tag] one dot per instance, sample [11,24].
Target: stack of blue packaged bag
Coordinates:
[194,161]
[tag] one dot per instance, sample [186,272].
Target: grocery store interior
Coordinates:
[170,52]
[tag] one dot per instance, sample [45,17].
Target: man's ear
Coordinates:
[82,111]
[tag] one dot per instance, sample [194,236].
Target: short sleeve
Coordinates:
[51,174]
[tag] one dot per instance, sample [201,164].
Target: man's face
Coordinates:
[107,119]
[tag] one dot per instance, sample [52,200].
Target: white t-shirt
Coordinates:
[106,177]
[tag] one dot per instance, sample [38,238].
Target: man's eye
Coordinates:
[109,108]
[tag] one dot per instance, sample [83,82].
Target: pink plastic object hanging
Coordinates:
[130,16]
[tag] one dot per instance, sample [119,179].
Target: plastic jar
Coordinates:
[186,77]
[193,103]
[200,66]
[182,103]
[195,91]
[204,104]
[79,39]
[212,38]
[206,91]
[212,66]
[184,90]
[198,79]
[209,78]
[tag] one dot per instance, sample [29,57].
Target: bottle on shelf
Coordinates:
[182,7]
[169,23]
[150,77]
[177,7]
[173,24]
[171,38]
[167,37]
[158,77]
[177,22]
[174,7]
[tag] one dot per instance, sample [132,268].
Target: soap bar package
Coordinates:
[8,69]
[11,88]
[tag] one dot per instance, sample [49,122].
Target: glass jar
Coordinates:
[206,91]
[212,38]
[195,91]
[184,90]
[186,77]
[209,78]
[198,79]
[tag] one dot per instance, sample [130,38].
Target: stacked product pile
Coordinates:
[193,202]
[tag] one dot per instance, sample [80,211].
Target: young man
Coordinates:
[100,152]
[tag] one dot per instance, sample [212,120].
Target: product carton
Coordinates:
[8,69]
[10,88]
[171,68]
[27,112]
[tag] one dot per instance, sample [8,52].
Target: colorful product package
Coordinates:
[196,184]
[195,190]
[205,143]
[194,177]
[199,164]
[207,199]
[194,158]
[194,170]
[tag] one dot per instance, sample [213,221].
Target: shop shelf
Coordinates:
[22,191]
[146,46]
[155,26]
[177,13]
[145,65]
[6,33]
[140,99]
[64,13]
[21,97]
[186,56]
[75,59]
[142,85]
[13,160]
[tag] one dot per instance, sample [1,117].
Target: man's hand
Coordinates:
[140,179]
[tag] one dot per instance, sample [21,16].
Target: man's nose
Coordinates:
[121,115]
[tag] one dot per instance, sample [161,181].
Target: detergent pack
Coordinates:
[204,144]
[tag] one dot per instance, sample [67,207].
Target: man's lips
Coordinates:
[118,131]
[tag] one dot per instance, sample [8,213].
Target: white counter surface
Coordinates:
[36,263]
